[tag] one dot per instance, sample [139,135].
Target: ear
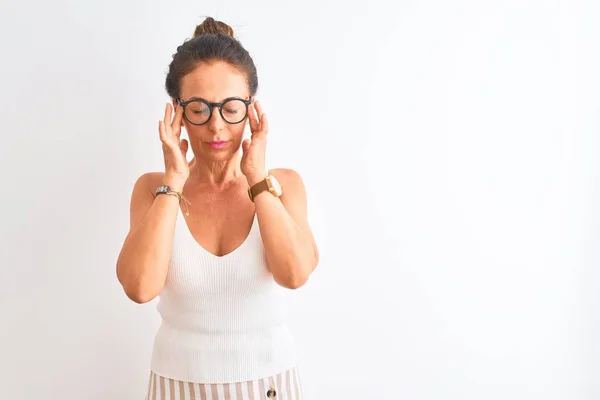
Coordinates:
[174,103]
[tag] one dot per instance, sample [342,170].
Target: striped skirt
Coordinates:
[284,386]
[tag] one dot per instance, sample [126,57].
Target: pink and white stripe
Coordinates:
[286,385]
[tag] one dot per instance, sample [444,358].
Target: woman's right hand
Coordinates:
[177,168]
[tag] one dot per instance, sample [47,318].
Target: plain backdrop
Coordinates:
[450,155]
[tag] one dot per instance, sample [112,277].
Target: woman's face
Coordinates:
[216,140]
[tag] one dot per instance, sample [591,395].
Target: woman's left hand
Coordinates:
[254,149]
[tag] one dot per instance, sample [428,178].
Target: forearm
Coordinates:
[289,249]
[143,262]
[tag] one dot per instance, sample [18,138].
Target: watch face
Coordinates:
[275,184]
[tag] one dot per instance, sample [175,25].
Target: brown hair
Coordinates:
[212,41]
[210,25]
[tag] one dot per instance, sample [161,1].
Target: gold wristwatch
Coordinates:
[269,184]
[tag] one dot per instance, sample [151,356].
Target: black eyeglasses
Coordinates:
[198,111]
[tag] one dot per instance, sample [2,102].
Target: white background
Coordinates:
[449,149]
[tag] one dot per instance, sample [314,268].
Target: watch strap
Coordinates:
[258,188]
[164,189]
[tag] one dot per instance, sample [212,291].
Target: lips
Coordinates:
[219,144]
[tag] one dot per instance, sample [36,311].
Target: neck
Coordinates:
[216,173]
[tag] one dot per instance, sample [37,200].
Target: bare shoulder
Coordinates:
[148,181]
[288,177]
[293,194]
[142,196]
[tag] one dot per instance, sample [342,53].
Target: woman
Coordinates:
[220,238]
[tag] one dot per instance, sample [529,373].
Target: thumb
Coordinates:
[183,145]
[245,145]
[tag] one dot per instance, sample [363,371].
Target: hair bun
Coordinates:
[211,26]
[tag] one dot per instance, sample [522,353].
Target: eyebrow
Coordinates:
[223,100]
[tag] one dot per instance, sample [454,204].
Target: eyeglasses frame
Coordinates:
[211,106]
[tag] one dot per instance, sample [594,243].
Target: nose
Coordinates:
[216,122]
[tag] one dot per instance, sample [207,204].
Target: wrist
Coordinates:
[175,183]
[254,178]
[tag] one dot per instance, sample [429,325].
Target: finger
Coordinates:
[263,125]
[161,130]
[184,147]
[259,109]
[167,119]
[252,119]
[176,125]
[245,145]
